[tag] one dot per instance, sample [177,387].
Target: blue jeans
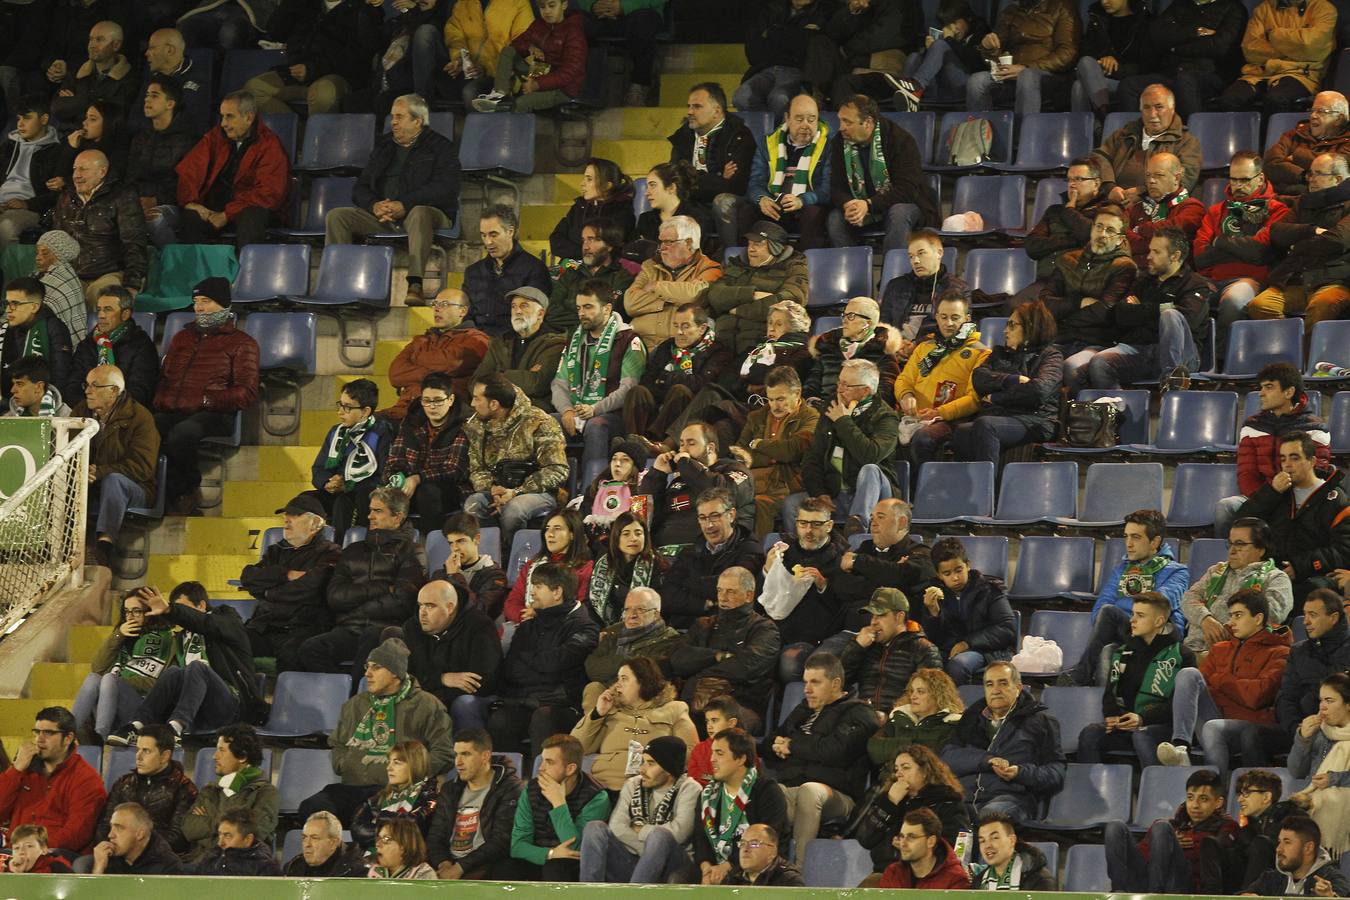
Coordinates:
[963,667]
[982,91]
[194,696]
[898,222]
[1018,807]
[1233,299]
[1192,706]
[1093,740]
[515,515]
[986,437]
[1092,91]
[1220,737]
[1077,355]
[605,860]
[938,70]
[428,53]
[109,698]
[771,88]
[1111,627]
[116,493]
[1129,363]
[870,489]
[1166,871]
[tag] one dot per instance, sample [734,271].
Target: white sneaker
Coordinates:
[1170,754]
[488,102]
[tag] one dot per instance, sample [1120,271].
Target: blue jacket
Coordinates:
[377,439]
[819,195]
[1029,739]
[1171,581]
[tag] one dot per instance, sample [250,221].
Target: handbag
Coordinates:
[1093,423]
[511,473]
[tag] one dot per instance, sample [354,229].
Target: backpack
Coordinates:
[970,142]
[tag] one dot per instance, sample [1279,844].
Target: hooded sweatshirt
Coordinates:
[17,184]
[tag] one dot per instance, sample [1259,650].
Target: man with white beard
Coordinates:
[528,357]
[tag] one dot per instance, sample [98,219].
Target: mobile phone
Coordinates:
[935,33]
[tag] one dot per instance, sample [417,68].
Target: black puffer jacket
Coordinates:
[829,359]
[1310,660]
[1313,259]
[136,355]
[753,643]
[691,584]
[153,157]
[468,644]
[167,796]
[907,564]
[495,818]
[288,603]
[377,580]
[1136,324]
[819,614]
[546,662]
[1313,538]
[1035,403]
[981,617]
[253,862]
[882,671]
[909,295]
[341,41]
[828,746]
[110,229]
[876,820]
[1178,47]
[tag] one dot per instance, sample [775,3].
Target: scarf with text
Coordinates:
[876,165]
[601,587]
[589,386]
[721,835]
[639,806]
[375,732]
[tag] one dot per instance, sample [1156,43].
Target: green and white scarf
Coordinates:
[701,141]
[1138,577]
[589,386]
[987,878]
[682,358]
[1156,210]
[1243,218]
[1255,580]
[236,782]
[357,463]
[766,354]
[801,173]
[733,822]
[942,346]
[601,588]
[375,732]
[36,342]
[876,163]
[850,348]
[107,356]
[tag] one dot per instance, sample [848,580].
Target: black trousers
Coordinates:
[342,800]
[282,645]
[1268,97]
[326,652]
[638,29]
[250,227]
[511,725]
[179,437]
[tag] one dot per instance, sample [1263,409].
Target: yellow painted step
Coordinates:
[675,86]
[538,247]
[261,498]
[635,154]
[57,682]
[314,425]
[419,317]
[653,121]
[16,716]
[277,463]
[717,58]
[83,641]
[213,571]
[207,535]
[385,353]
[537,221]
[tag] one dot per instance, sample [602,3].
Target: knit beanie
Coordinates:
[632,449]
[66,248]
[669,752]
[392,655]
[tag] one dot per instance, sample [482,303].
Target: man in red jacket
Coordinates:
[1166,204]
[51,785]
[209,374]
[927,861]
[448,346]
[238,174]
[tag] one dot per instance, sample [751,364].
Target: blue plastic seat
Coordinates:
[161,488]
[1276,126]
[1330,343]
[921,126]
[1251,404]
[270,272]
[1000,151]
[204,767]
[287,342]
[1069,629]
[759,121]
[1205,552]
[1092,795]
[1074,707]
[1197,487]
[1049,192]
[437,550]
[1290,784]
[729,252]
[1085,869]
[337,142]
[999,270]
[999,199]
[174,322]
[988,553]
[1048,141]
[970,693]
[1221,134]
[490,542]
[1340,422]
[324,194]
[525,545]
[838,274]
[993,330]
[1194,422]
[1114,490]
[498,143]
[1255,343]
[306,703]
[835,864]
[1113,551]
[793,694]
[304,772]
[822,324]
[1035,492]
[1161,791]
[286,125]
[1133,427]
[949,491]
[1053,567]
[122,760]
[241,65]
[896,263]
[1212,191]
[352,274]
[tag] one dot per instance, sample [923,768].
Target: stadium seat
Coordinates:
[759,121]
[352,274]
[1035,492]
[1330,343]
[992,330]
[1251,404]
[1340,422]
[161,488]
[1221,134]
[180,267]
[324,194]
[525,545]
[835,864]
[1194,422]
[921,126]
[970,693]
[490,542]
[1053,568]
[1048,141]
[999,270]
[337,142]
[793,694]
[1049,192]
[1092,795]
[1113,550]
[838,274]
[1085,869]
[1133,426]
[1278,124]
[822,324]
[304,772]
[896,263]
[1196,488]
[287,128]
[500,144]
[1074,707]
[1205,552]
[999,199]
[174,322]
[241,65]
[987,553]
[1000,151]
[1289,783]
[1117,120]
[287,341]
[950,491]
[305,704]
[1051,852]
[204,767]
[1161,790]
[271,272]
[1070,630]
[437,550]
[1212,191]
[1255,343]
[92,755]
[1113,490]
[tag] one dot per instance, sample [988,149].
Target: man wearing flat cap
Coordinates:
[529,355]
[209,374]
[291,584]
[448,346]
[769,271]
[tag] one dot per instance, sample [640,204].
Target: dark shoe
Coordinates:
[103,553]
[908,92]
[414,296]
[184,505]
[124,738]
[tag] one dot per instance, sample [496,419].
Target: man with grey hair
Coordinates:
[1327,130]
[409,185]
[1124,154]
[692,358]
[237,174]
[104,217]
[528,356]
[106,75]
[323,853]
[860,337]
[506,267]
[133,847]
[117,338]
[122,458]
[678,275]
[640,631]
[290,581]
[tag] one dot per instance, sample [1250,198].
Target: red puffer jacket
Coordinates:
[1222,253]
[214,369]
[262,179]
[1258,452]
[67,804]
[564,47]
[1244,676]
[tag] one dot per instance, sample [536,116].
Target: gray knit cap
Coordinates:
[66,248]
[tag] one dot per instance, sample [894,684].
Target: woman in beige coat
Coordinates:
[638,707]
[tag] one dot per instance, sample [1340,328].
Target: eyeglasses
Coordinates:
[135,611]
[814,523]
[348,407]
[1012,323]
[708,520]
[385,839]
[755,845]
[639,610]
[853,317]
[1109,232]
[15,304]
[668,243]
[1313,173]
[1247,792]
[1239,544]
[446,304]
[93,385]
[47,732]
[428,401]
[1079,179]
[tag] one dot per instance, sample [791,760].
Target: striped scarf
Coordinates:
[348,450]
[682,358]
[107,356]
[1156,210]
[800,173]
[733,820]
[589,386]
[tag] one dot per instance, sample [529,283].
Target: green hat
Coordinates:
[887,600]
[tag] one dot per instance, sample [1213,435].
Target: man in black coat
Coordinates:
[106,74]
[814,552]
[490,281]
[1198,46]
[884,653]
[104,216]
[291,584]
[453,651]
[323,853]
[914,295]
[449,849]
[966,614]
[735,771]
[117,340]
[1302,867]
[855,33]
[719,146]
[677,477]
[329,47]
[410,184]
[890,557]
[819,752]
[691,584]
[1325,650]
[32,329]
[675,372]
[242,853]
[154,154]
[775,46]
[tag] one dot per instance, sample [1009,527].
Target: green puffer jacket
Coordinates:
[199,825]
[742,319]
[527,434]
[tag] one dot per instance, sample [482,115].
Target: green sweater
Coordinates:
[522,829]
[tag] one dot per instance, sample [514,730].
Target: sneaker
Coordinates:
[1170,754]
[124,738]
[485,104]
[635,96]
[908,92]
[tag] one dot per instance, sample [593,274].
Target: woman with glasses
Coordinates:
[137,652]
[410,794]
[565,544]
[630,561]
[427,460]
[919,779]
[1248,565]
[401,852]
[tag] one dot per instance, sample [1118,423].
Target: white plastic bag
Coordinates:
[1038,656]
[782,592]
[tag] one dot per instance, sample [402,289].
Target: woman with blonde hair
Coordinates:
[919,779]
[925,714]
[410,794]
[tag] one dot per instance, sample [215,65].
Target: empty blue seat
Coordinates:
[352,274]
[437,550]
[1212,191]
[1195,490]
[498,143]
[822,324]
[306,703]
[1161,790]
[92,755]
[1278,124]
[1221,134]
[1113,550]
[287,342]
[1050,140]
[161,488]
[1001,270]
[835,864]
[1194,422]
[174,322]
[992,330]
[1053,567]
[970,693]
[337,142]
[1092,795]
[1114,490]
[304,772]
[1117,120]
[1035,492]
[949,491]
[999,199]
[241,65]
[1074,707]
[838,274]
[1133,427]
[1255,343]
[525,545]
[759,121]
[1085,869]
[286,126]
[490,542]
[896,263]
[1068,629]
[1049,192]
[1205,552]
[987,553]
[1000,151]
[324,194]
[272,271]
[1330,343]
[1340,422]
[921,126]
[793,693]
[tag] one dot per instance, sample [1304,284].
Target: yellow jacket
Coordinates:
[1282,43]
[486,34]
[950,378]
